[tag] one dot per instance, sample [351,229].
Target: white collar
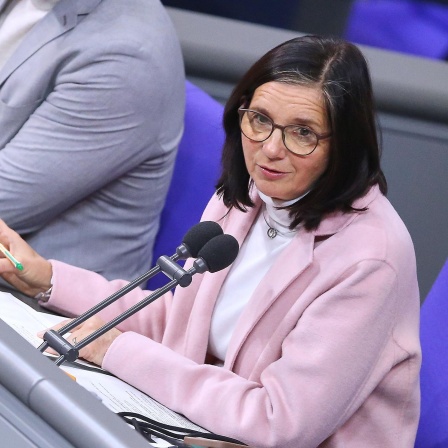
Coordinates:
[276,215]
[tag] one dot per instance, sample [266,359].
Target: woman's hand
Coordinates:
[95,350]
[37,271]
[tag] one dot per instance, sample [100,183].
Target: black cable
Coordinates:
[169,433]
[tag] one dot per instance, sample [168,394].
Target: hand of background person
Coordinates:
[37,271]
[94,351]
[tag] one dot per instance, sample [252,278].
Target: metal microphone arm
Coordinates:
[193,242]
[215,255]
[69,352]
[106,302]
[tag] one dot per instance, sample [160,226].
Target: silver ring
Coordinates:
[74,340]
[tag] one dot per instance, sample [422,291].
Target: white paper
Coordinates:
[114,393]
[120,396]
[24,319]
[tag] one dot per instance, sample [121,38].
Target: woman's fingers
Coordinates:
[95,350]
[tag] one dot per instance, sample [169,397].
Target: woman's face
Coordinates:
[277,172]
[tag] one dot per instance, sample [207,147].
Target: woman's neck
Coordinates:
[275,212]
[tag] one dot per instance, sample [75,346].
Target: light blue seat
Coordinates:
[433,427]
[195,174]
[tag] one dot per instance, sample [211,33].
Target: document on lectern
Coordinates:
[115,394]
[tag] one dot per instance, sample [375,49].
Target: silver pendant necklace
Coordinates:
[272,232]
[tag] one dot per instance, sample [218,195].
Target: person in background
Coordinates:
[311,338]
[91,114]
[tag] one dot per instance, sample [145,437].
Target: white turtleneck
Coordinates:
[16,19]
[257,254]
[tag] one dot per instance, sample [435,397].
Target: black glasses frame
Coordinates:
[319,137]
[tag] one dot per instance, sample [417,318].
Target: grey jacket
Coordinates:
[91,114]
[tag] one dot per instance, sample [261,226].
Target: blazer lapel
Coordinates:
[237,224]
[63,17]
[299,254]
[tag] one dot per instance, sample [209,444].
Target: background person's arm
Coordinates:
[101,120]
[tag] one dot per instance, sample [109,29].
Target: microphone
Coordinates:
[217,254]
[213,254]
[195,239]
[192,242]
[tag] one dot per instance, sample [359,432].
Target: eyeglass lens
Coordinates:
[259,127]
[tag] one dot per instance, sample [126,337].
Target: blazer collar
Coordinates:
[63,17]
[238,225]
[299,255]
[337,221]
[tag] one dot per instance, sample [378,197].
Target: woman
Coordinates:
[311,337]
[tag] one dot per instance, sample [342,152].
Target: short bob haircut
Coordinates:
[339,69]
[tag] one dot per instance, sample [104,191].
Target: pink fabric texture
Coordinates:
[326,353]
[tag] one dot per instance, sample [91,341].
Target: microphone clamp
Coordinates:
[200,266]
[182,253]
[173,271]
[61,345]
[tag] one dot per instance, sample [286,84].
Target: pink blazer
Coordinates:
[326,353]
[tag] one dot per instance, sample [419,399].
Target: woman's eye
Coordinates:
[303,132]
[261,119]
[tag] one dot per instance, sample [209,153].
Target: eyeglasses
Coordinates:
[258,127]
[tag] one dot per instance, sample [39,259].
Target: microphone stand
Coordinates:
[181,253]
[69,352]
[192,243]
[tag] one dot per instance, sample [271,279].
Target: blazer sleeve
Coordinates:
[101,119]
[75,290]
[327,365]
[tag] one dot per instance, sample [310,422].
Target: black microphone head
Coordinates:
[219,252]
[199,235]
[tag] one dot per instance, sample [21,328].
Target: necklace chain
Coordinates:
[272,232]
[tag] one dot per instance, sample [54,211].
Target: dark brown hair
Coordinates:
[339,69]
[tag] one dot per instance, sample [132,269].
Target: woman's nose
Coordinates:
[274,147]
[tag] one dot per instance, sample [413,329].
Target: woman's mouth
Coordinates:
[271,173]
